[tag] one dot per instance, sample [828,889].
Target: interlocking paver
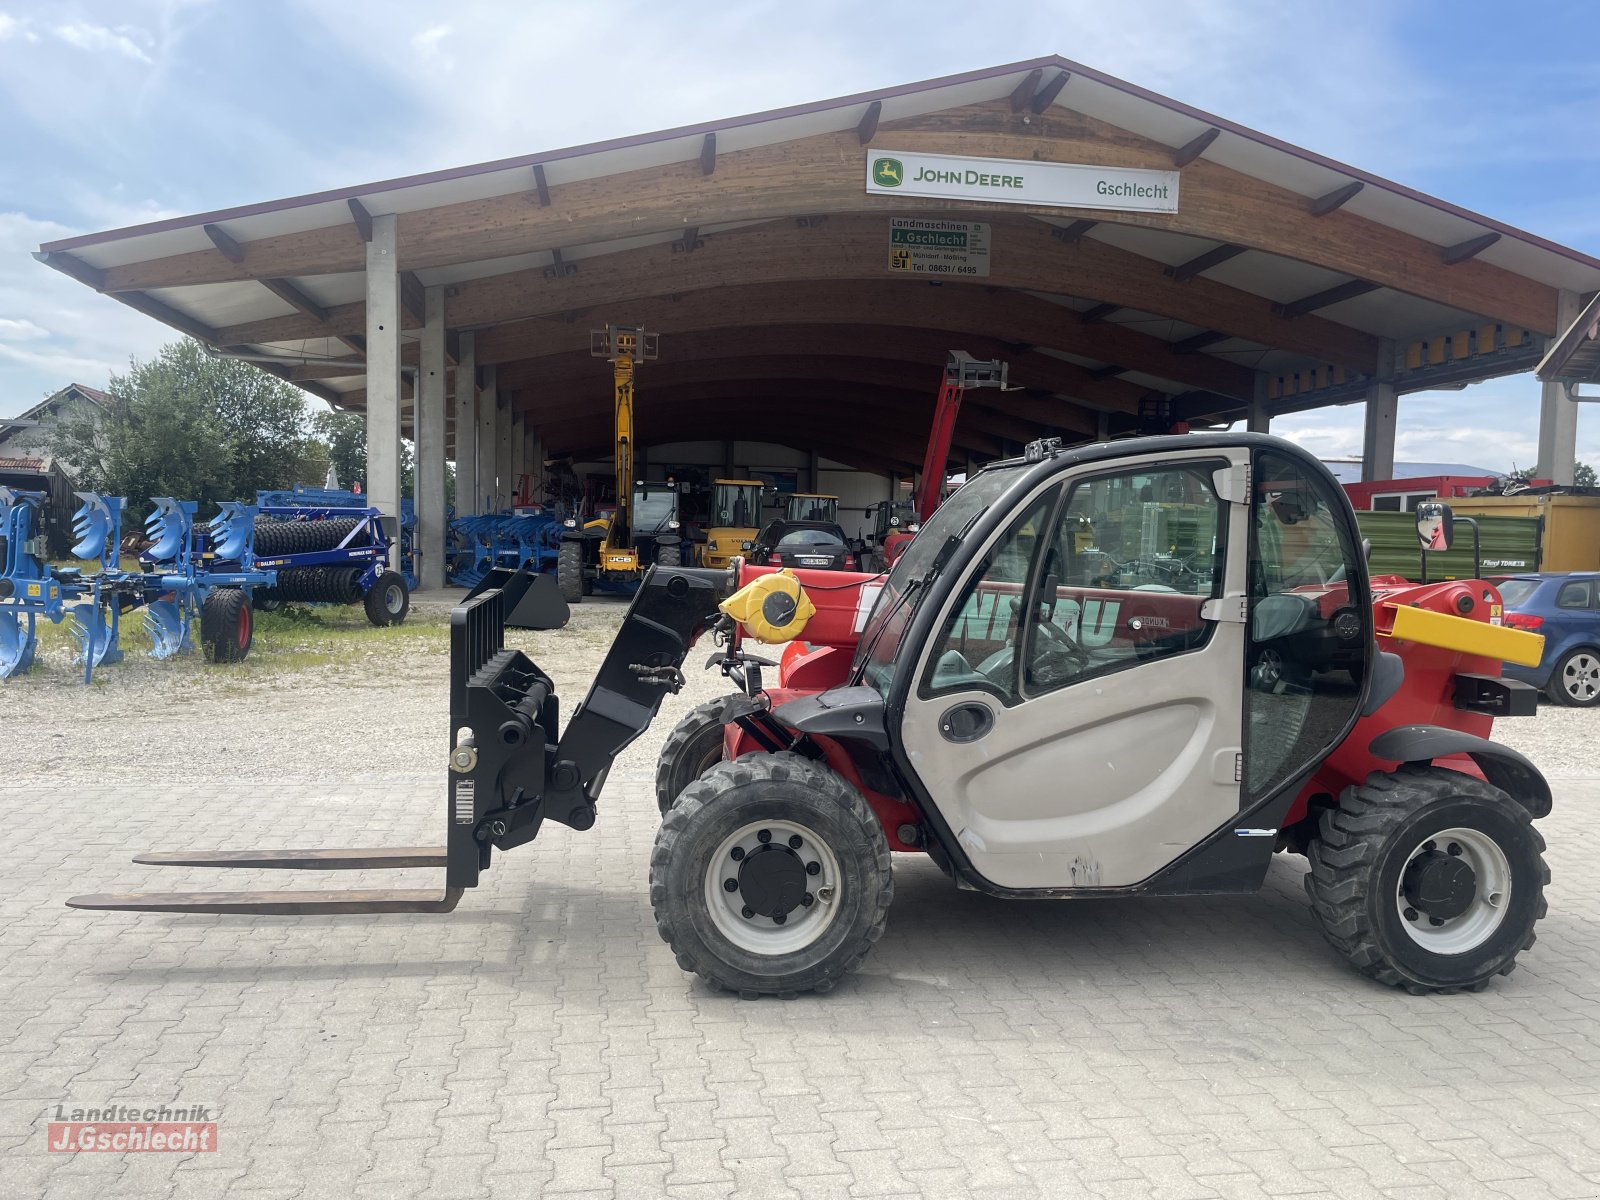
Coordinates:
[540,1041]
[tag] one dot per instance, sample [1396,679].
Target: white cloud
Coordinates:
[428,43]
[100,39]
[9,26]
[53,330]
[16,330]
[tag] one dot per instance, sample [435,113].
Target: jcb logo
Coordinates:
[887,172]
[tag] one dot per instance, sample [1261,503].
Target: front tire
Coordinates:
[692,748]
[227,625]
[1576,679]
[808,866]
[1428,879]
[669,556]
[569,572]
[388,600]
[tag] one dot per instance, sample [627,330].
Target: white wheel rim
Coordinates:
[760,934]
[1490,902]
[393,598]
[1581,676]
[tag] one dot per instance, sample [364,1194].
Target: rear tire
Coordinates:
[1576,679]
[668,556]
[1371,889]
[388,600]
[808,900]
[692,748]
[569,572]
[227,625]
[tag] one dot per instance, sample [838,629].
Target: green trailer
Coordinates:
[1508,546]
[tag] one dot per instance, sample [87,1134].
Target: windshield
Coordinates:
[1517,592]
[735,506]
[897,602]
[654,509]
[813,508]
[809,537]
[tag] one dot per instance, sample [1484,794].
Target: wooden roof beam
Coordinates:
[73,267]
[1471,248]
[296,299]
[1198,342]
[708,154]
[540,186]
[1072,234]
[411,295]
[1022,95]
[1046,96]
[1093,316]
[231,250]
[1336,199]
[868,125]
[1194,148]
[167,315]
[1337,294]
[1202,263]
[362,218]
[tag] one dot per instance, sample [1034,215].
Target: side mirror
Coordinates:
[1435,524]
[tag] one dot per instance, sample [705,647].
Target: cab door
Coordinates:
[1077,715]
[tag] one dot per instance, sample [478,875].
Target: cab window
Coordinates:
[1130,561]
[1309,630]
[977,646]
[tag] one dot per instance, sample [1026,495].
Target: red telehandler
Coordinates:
[1136,668]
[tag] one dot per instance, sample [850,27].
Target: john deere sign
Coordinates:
[1020,181]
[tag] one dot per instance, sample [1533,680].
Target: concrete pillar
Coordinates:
[519,456]
[502,450]
[383,373]
[1260,420]
[466,411]
[1383,412]
[1558,413]
[430,443]
[488,403]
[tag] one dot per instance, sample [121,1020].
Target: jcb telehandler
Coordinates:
[616,551]
[734,520]
[1008,703]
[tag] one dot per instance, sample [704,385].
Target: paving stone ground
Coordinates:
[540,1041]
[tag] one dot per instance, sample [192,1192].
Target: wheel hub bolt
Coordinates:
[807,900]
[779,918]
[731,885]
[1454,849]
[747,912]
[813,868]
[737,853]
[1429,845]
[795,841]
[764,836]
[1411,914]
[1436,921]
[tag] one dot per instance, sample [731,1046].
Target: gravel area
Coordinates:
[339,701]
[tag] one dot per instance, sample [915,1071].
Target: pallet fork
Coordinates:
[510,766]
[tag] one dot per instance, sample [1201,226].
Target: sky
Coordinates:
[120,111]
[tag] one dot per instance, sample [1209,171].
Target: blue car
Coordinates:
[1565,608]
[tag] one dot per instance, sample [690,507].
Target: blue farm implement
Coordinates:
[301,496]
[29,587]
[331,555]
[506,541]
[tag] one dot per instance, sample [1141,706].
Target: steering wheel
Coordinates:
[1058,656]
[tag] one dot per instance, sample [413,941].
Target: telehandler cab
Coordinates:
[1134,668]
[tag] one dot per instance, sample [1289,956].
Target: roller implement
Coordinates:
[1128,669]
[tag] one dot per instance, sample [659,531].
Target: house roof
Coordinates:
[44,406]
[755,246]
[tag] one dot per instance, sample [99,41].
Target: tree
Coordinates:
[191,425]
[345,435]
[1583,476]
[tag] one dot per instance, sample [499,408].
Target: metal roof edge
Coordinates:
[1561,350]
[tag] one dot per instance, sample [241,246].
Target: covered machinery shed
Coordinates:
[1134,260]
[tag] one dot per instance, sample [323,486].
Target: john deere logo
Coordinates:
[887,172]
